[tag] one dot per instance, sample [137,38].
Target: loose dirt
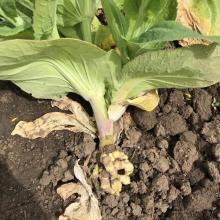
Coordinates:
[175,151]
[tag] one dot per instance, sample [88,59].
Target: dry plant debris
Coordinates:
[188,16]
[78,121]
[86,207]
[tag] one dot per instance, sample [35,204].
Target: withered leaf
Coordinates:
[86,207]
[78,121]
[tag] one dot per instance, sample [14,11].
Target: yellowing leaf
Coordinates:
[78,121]
[200,16]
[86,207]
[146,102]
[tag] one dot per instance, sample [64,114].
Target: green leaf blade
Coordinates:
[117,24]
[198,66]
[142,15]
[171,31]
[44,20]
[16,17]
[52,68]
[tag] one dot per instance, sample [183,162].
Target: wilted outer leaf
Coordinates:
[87,207]
[44,20]
[197,66]
[79,121]
[76,109]
[147,102]
[202,16]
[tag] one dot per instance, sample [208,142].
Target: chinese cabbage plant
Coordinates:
[54,67]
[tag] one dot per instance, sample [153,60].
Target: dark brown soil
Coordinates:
[176,155]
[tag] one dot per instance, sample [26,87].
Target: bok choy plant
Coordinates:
[51,66]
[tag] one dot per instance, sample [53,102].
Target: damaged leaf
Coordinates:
[78,121]
[200,16]
[77,110]
[86,207]
[147,102]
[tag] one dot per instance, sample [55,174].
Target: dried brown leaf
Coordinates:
[87,206]
[78,121]
[76,109]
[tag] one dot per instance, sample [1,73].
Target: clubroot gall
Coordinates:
[119,168]
[50,67]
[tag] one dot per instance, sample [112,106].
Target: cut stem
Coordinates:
[104,124]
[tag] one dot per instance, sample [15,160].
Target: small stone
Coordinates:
[89,145]
[164,207]
[133,135]
[63,154]
[62,163]
[194,118]
[161,206]
[114,211]
[174,166]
